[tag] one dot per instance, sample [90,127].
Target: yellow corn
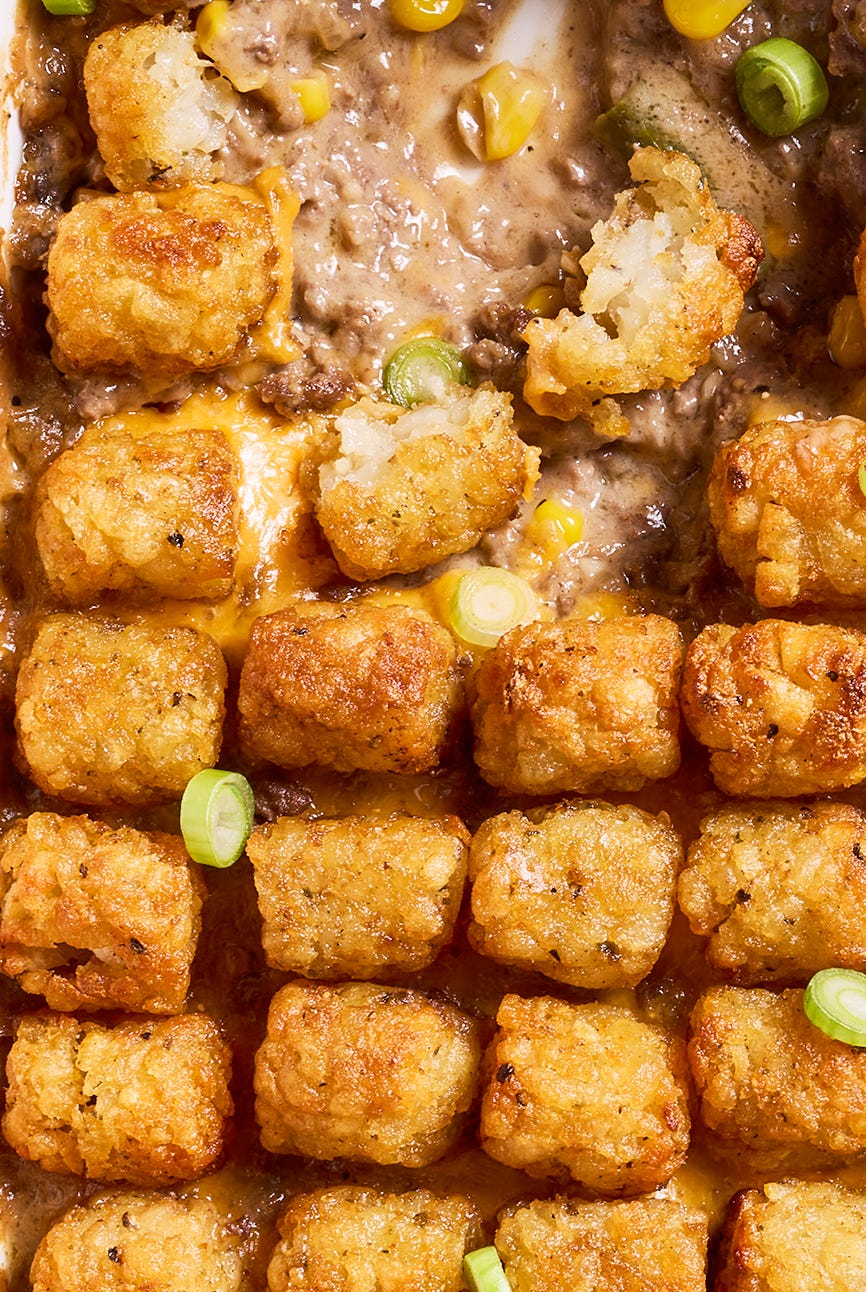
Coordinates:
[546,300]
[553,529]
[511,101]
[604,605]
[315,95]
[212,25]
[212,22]
[847,339]
[703,19]
[425,15]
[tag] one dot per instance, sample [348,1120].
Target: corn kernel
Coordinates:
[703,19]
[425,15]
[553,529]
[847,339]
[546,300]
[211,28]
[314,93]
[599,606]
[511,100]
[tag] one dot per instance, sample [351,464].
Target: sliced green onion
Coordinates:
[487,602]
[780,86]
[835,1001]
[422,370]
[216,816]
[484,1272]
[74,8]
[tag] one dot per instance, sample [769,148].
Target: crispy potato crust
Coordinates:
[353,897]
[781,706]
[159,282]
[667,273]
[795,1236]
[771,1082]
[644,1245]
[789,513]
[112,714]
[118,1241]
[349,686]
[131,899]
[368,1073]
[145,1101]
[409,488]
[779,889]
[583,892]
[579,706]
[355,1239]
[584,1093]
[139,516]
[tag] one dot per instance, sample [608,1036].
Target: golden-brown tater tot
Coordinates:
[643,1245]
[789,514]
[364,1072]
[349,686]
[579,706]
[141,516]
[159,282]
[358,1238]
[159,112]
[115,1242]
[406,488]
[583,892]
[131,900]
[779,889]
[781,706]
[584,1093]
[353,897]
[772,1083]
[109,713]
[795,1236]
[144,1101]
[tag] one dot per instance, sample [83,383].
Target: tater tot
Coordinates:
[159,282]
[140,516]
[772,1083]
[779,889]
[364,1072]
[111,714]
[132,900]
[789,514]
[404,489]
[356,896]
[781,706]
[145,1101]
[358,1238]
[584,1093]
[579,706]
[583,892]
[349,686]
[115,1242]
[159,112]
[643,1245]
[795,1236]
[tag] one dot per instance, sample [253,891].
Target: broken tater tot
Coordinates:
[159,282]
[159,112]
[789,511]
[146,1101]
[355,896]
[114,1242]
[110,713]
[779,889]
[410,487]
[131,900]
[579,706]
[665,279]
[368,1073]
[781,706]
[140,516]
[357,1238]
[349,686]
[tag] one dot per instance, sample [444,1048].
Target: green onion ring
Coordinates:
[835,1001]
[484,1272]
[216,816]
[780,86]
[488,602]
[422,369]
[71,8]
